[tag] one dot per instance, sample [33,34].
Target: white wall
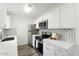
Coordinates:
[21,24]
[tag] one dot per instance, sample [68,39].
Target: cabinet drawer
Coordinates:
[60,51]
[49,47]
[45,53]
[48,50]
[48,53]
[3,54]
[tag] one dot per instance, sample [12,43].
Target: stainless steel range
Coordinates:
[39,40]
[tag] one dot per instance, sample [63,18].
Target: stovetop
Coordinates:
[40,39]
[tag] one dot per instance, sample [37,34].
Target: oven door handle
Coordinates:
[36,44]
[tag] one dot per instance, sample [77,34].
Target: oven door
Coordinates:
[40,47]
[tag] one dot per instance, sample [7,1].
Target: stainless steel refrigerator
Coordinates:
[31,31]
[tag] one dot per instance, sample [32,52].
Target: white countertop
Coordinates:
[8,36]
[36,35]
[60,43]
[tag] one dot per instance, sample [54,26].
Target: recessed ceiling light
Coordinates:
[28,8]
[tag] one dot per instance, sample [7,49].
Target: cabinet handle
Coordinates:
[46,44]
[59,50]
[47,48]
[55,53]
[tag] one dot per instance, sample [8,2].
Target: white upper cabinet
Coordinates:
[62,16]
[53,18]
[67,16]
[77,22]
[37,22]
[8,22]
[4,19]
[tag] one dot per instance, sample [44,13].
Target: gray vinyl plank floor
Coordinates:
[26,50]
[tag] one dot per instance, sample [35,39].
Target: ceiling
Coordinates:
[18,8]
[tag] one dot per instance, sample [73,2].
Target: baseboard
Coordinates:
[22,45]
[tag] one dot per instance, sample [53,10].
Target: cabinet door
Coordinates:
[8,48]
[3,17]
[77,22]
[7,22]
[53,18]
[2,51]
[67,16]
[48,50]
[60,52]
[37,22]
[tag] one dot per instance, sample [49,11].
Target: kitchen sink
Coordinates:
[8,39]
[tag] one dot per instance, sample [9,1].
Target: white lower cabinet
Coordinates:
[8,48]
[48,50]
[2,52]
[60,52]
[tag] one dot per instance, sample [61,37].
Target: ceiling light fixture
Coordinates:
[28,8]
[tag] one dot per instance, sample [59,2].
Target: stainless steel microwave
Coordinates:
[43,24]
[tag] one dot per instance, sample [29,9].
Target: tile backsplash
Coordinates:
[66,34]
[7,32]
